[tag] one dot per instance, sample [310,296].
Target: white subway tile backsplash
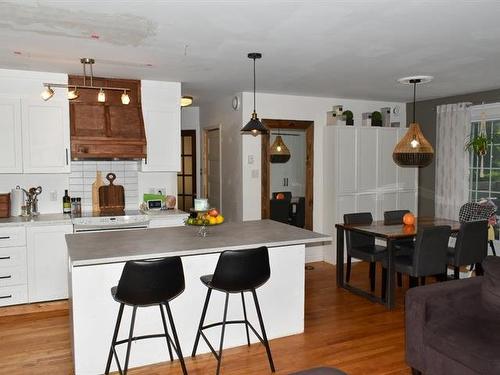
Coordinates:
[83,174]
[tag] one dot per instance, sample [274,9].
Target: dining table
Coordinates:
[391,234]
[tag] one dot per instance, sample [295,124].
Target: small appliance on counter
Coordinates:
[17,201]
[4,205]
[32,201]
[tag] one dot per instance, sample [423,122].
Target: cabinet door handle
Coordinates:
[4,238]
[9,296]
[5,258]
[6,277]
[67,161]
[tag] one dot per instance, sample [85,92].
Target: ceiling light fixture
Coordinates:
[47,93]
[254,126]
[413,150]
[186,101]
[73,93]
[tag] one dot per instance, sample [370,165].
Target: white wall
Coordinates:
[220,114]
[190,120]
[273,106]
[28,84]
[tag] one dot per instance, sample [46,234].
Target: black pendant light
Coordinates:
[254,126]
[413,150]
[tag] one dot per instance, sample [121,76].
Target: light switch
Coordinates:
[250,159]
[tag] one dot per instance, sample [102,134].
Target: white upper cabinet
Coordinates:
[407,176]
[10,142]
[46,140]
[162,121]
[367,154]
[346,166]
[34,133]
[387,169]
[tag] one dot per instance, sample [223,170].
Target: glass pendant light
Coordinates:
[278,152]
[413,150]
[101,97]
[47,93]
[125,98]
[254,126]
[186,101]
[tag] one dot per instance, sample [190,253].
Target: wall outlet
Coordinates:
[250,159]
[255,173]
[53,195]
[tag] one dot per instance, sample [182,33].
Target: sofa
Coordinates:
[453,327]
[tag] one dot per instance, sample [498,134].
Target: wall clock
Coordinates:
[235,103]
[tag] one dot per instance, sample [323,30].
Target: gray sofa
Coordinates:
[454,327]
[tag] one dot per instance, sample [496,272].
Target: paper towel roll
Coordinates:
[16,201]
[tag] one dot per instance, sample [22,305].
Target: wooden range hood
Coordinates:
[109,130]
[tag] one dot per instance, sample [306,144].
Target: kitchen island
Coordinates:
[96,261]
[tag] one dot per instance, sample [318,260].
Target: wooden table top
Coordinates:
[378,229]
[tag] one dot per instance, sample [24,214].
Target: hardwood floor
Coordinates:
[341,330]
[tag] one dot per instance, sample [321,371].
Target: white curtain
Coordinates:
[452,161]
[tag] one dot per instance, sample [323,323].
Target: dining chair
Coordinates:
[429,257]
[362,246]
[471,246]
[473,211]
[279,210]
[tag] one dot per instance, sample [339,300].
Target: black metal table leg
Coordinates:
[340,257]
[391,276]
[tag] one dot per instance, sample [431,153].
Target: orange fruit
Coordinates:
[409,219]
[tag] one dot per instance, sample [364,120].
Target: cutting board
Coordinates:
[95,192]
[111,197]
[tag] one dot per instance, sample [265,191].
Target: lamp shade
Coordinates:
[413,150]
[254,126]
[279,153]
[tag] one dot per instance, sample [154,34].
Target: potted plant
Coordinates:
[349,117]
[376,118]
[479,145]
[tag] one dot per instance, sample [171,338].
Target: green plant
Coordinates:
[348,117]
[376,118]
[478,144]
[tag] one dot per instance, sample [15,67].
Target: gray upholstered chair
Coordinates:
[453,327]
[362,246]
[471,246]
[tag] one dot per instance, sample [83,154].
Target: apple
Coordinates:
[213,212]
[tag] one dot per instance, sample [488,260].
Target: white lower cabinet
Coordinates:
[47,259]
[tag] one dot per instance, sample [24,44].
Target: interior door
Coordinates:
[186,178]
[213,167]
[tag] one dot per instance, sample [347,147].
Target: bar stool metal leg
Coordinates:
[113,341]
[245,316]
[166,332]
[129,345]
[177,346]
[264,336]
[202,320]
[219,359]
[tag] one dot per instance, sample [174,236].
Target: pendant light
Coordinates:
[254,126]
[186,101]
[413,150]
[73,93]
[278,152]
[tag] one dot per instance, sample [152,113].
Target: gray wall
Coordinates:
[426,117]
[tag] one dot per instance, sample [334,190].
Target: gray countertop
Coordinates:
[42,219]
[109,247]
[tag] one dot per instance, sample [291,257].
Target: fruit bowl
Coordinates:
[204,218]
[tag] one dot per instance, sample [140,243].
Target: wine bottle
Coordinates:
[66,203]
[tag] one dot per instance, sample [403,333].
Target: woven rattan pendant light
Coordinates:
[413,150]
[278,152]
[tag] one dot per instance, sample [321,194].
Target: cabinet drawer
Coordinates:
[167,223]
[13,295]
[13,276]
[12,236]
[12,257]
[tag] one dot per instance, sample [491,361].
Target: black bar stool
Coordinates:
[237,272]
[148,283]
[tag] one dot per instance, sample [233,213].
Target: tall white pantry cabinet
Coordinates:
[365,176]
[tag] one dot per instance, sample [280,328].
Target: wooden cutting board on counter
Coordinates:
[111,197]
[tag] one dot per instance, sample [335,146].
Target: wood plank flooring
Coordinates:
[341,330]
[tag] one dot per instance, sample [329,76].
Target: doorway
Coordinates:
[293,128]
[211,167]
[186,178]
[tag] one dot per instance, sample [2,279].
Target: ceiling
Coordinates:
[351,49]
